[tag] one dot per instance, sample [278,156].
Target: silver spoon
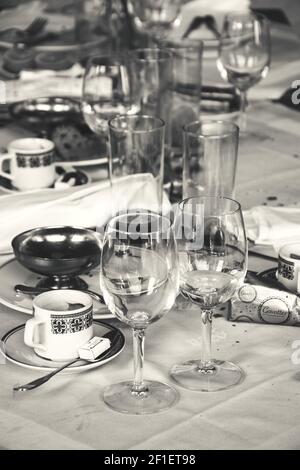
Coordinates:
[39,290]
[114,337]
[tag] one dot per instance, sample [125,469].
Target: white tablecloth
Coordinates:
[262,412]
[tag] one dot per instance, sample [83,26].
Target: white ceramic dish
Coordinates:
[13,273]
[15,350]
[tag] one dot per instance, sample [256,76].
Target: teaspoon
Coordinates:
[39,290]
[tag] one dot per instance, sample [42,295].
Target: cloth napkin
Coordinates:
[91,206]
[273,225]
[207,7]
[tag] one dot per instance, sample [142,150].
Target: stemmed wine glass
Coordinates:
[139,281]
[212,249]
[109,89]
[244,53]
[156,17]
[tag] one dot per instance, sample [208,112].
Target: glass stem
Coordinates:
[243,115]
[138,360]
[206,318]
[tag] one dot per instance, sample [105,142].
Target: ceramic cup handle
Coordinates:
[4,157]
[30,327]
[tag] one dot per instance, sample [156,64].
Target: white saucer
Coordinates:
[12,273]
[7,187]
[16,351]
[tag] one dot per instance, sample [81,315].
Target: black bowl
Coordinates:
[61,253]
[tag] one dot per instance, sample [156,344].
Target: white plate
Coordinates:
[12,273]
[16,351]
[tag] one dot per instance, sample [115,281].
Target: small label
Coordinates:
[247,294]
[274,310]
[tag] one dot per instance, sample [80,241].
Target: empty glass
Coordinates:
[137,146]
[244,54]
[185,96]
[210,158]
[139,281]
[212,250]
[153,70]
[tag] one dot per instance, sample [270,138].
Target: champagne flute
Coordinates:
[109,89]
[212,263]
[244,53]
[139,281]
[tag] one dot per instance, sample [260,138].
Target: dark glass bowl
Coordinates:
[60,253]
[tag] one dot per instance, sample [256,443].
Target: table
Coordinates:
[262,412]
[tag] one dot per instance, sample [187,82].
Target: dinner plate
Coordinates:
[12,273]
[16,351]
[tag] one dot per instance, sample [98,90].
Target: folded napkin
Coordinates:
[206,7]
[73,72]
[273,225]
[91,206]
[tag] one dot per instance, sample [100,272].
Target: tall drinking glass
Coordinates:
[139,281]
[244,54]
[210,158]
[185,96]
[212,262]
[153,70]
[137,146]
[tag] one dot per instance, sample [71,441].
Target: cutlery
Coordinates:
[262,255]
[28,290]
[114,336]
[28,34]
[36,26]
[253,277]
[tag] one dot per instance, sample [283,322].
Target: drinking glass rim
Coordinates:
[138,213]
[245,14]
[235,128]
[238,208]
[133,54]
[160,123]
[113,59]
[181,43]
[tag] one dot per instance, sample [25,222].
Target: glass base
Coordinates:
[157,397]
[217,375]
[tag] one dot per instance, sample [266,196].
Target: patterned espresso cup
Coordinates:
[288,272]
[31,163]
[62,323]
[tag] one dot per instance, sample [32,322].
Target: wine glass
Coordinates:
[156,17]
[109,89]
[212,250]
[139,281]
[244,53]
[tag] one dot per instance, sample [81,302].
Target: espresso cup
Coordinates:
[31,163]
[62,323]
[288,273]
